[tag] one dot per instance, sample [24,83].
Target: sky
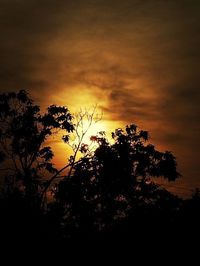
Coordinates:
[137,59]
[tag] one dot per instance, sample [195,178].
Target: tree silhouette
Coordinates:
[106,185]
[24,130]
[82,121]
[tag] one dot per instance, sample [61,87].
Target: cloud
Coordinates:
[138,59]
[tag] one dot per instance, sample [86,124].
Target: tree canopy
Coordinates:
[23,132]
[109,185]
[105,186]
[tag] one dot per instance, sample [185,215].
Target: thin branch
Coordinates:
[49,182]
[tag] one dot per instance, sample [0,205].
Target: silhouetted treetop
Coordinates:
[23,133]
[108,184]
[134,155]
[106,187]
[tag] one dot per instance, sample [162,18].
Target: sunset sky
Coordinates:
[138,60]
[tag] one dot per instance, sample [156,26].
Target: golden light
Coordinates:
[64,150]
[80,99]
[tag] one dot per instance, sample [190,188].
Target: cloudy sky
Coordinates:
[138,59]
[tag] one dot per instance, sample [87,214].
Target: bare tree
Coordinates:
[83,120]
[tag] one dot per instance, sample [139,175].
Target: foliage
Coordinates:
[24,131]
[106,185]
[107,189]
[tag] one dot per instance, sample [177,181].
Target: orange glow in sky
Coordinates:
[138,61]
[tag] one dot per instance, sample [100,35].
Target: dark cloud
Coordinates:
[138,59]
[125,105]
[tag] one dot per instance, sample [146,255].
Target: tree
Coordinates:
[106,185]
[105,181]
[25,158]
[83,120]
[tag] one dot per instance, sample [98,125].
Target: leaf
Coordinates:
[65,138]
[46,153]
[50,168]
